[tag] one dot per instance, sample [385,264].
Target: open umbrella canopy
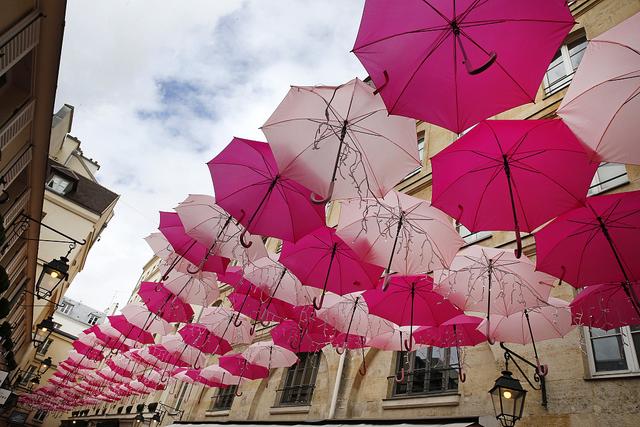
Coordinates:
[200,337]
[401,232]
[189,248]
[237,365]
[338,141]
[322,260]
[269,355]
[605,306]
[139,315]
[219,376]
[90,352]
[311,336]
[449,63]
[129,330]
[249,186]
[512,175]
[109,336]
[164,303]
[200,288]
[602,104]
[220,321]
[459,331]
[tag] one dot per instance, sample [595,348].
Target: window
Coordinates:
[28,373]
[614,351]
[421,151]
[44,347]
[93,319]
[59,184]
[608,176]
[66,308]
[224,399]
[470,237]
[429,370]
[300,380]
[564,64]
[40,416]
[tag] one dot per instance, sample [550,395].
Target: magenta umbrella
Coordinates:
[605,306]
[258,306]
[310,337]
[129,330]
[249,186]
[322,260]
[449,62]
[512,175]
[459,331]
[200,337]
[339,141]
[595,244]
[164,303]
[198,254]
[410,301]
[602,104]
[237,365]
[90,352]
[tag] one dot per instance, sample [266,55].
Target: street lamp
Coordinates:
[44,366]
[156,417]
[43,331]
[52,275]
[508,396]
[139,418]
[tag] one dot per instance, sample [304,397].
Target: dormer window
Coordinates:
[59,184]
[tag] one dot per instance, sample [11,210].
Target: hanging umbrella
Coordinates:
[322,260]
[401,232]
[109,337]
[164,303]
[249,186]
[170,259]
[189,248]
[215,376]
[239,366]
[200,337]
[493,281]
[167,356]
[531,326]
[605,306]
[388,336]
[138,315]
[214,228]
[342,341]
[192,356]
[309,337]
[595,244]
[129,330]
[348,314]
[410,301]
[602,103]
[88,351]
[256,305]
[200,288]
[339,141]
[219,320]
[449,63]
[512,175]
[122,365]
[269,355]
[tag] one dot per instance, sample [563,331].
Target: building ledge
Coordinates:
[223,413]
[421,402]
[277,410]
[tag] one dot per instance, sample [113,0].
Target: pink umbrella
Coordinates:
[108,336]
[164,303]
[200,337]
[90,352]
[249,186]
[191,355]
[121,365]
[258,306]
[605,306]
[410,301]
[339,141]
[448,63]
[511,175]
[130,330]
[239,366]
[595,244]
[171,260]
[214,228]
[269,355]
[322,260]
[531,325]
[348,314]
[198,254]
[492,281]
[403,232]
[389,336]
[313,336]
[602,103]
[167,356]
[214,374]
[199,288]
[219,320]
[138,315]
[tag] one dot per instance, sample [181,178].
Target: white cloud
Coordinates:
[160,90]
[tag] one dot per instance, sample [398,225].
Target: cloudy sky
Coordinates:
[159,91]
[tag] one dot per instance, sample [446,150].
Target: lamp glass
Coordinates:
[507,396]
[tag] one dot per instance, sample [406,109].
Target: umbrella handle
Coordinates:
[238,393]
[386,80]
[253,329]
[408,345]
[193,272]
[542,370]
[319,200]
[462,375]
[316,305]
[473,71]
[518,251]
[490,340]
[264,323]
[339,350]
[243,242]
[237,322]
[401,378]
[363,369]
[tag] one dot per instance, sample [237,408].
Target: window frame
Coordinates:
[598,186]
[630,354]
[551,88]
[450,372]
[421,139]
[43,415]
[223,400]
[289,393]
[63,308]
[93,317]
[44,347]
[60,191]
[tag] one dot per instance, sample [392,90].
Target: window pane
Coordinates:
[576,51]
[300,380]
[608,350]
[635,336]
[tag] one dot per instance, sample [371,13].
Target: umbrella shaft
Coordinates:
[395,242]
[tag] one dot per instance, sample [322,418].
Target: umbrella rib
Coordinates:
[468,24]
[602,83]
[244,165]
[635,93]
[404,33]
[527,168]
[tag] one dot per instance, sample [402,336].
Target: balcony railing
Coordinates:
[16,167]
[18,41]
[19,120]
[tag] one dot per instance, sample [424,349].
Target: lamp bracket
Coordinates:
[73,242]
[510,355]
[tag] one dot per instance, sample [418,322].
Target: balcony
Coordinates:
[18,41]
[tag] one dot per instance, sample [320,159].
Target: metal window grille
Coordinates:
[427,371]
[300,380]
[224,399]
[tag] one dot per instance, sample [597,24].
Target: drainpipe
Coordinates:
[336,387]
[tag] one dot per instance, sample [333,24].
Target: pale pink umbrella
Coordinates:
[269,355]
[129,330]
[602,105]
[493,281]
[193,356]
[200,288]
[214,374]
[170,259]
[216,229]
[401,232]
[349,314]
[339,141]
[605,306]
[219,320]
[138,315]
[532,325]
[182,374]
